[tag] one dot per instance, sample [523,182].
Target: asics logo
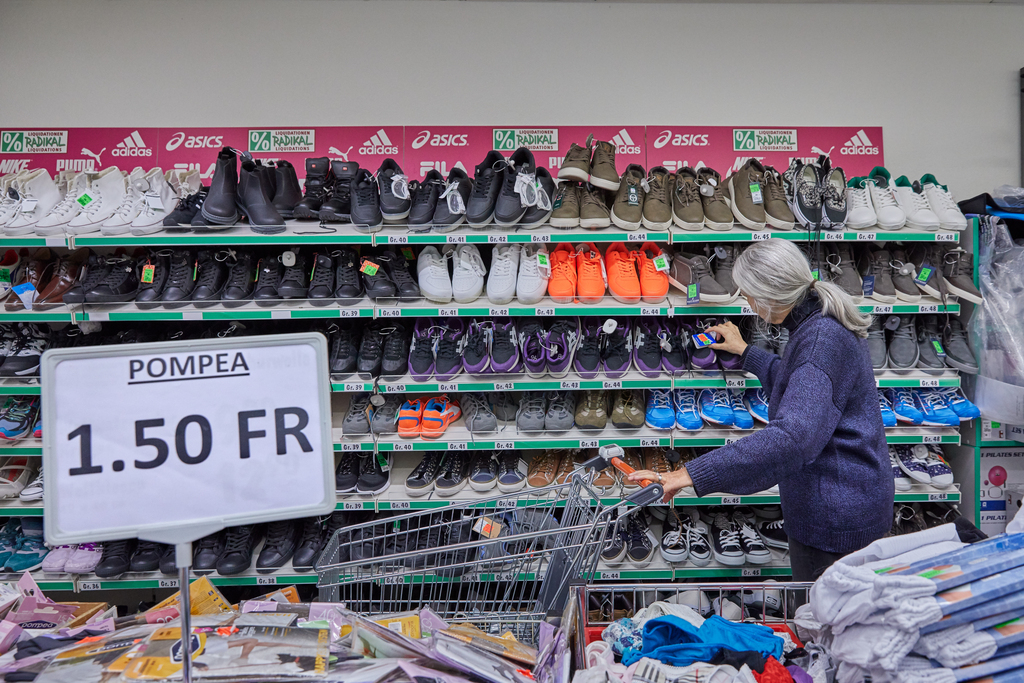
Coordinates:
[436,140]
[858,144]
[624,143]
[666,137]
[379,143]
[194,141]
[132,146]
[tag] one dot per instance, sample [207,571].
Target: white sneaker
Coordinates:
[532,284]
[432,273]
[131,204]
[39,195]
[501,282]
[59,216]
[887,208]
[159,197]
[10,202]
[861,213]
[34,491]
[942,204]
[915,205]
[468,275]
[99,201]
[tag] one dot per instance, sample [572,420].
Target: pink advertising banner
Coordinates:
[418,149]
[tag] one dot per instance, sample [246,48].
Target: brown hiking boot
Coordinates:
[656,461]
[594,211]
[543,468]
[657,213]
[687,209]
[717,214]
[566,206]
[577,162]
[776,210]
[570,459]
[592,411]
[740,190]
[602,169]
[628,208]
[628,412]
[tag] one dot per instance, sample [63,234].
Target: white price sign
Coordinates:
[169,441]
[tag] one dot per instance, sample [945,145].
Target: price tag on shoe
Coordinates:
[693,294]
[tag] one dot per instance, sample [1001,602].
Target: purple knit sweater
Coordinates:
[824,444]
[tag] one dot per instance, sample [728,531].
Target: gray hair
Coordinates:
[776,273]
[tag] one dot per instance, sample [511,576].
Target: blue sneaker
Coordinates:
[902,400]
[888,416]
[959,403]
[934,409]
[716,407]
[757,404]
[687,415]
[18,420]
[660,413]
[28,554]
[9,536]
[741,417]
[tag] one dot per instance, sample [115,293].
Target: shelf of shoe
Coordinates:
[11,386]
[482,308]
[60,314]
[32,241]
[659,569]
[283,310]
[494,235]
[680,236]
[296,232]
[22,447]
[16,507]
[741,307]
[917,378]
[284,576]
[921,434]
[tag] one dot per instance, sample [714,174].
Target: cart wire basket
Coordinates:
[504,563]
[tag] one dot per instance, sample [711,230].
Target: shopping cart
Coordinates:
[502,563]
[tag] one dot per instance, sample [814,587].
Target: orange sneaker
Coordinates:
[562,285]
[623,282]
[409,418]
[590,271]
[653,282]
[438,413]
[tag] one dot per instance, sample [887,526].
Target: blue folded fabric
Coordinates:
[741,637]
[677,642]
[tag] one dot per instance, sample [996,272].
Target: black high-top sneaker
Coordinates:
[337,207]
[116,559]
[268,278]
[319,183]
[239,542]
[287,192]
[186,210]
[295,278]
[311,541]
[212,276]
[241,280]
[398,270]
[181,279]
[92,274]
[321,280]
[152,278]
[366,213]
[120,282]
[208,552]
[348,285]
[282,539]
[344,350]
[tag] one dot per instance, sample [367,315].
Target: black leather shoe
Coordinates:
[268,278]
[146,557]
[378,284]
[255,200]
[311,541]
[295,278]
[116,559]
[287,192]
[168,564]
[319,183]
[365,214]
[180,279]
[321,280]
[212,275]
[239,542]
[241,279]
[120,282]
[348,285]
[282,538]
[152,279]
[338,207]
[398,271]
[93,273]
[207,553]
[221,204]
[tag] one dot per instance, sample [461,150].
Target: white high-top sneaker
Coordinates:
[158,199]
[38,196]
[915,205]
[99,201]
[131,204]
[942,204]
[190,183]
[11,200]
[59,216]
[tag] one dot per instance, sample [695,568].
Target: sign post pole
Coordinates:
[183,558]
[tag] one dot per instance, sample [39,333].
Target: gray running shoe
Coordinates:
[504,406]
[385,418]
[357,420]
[958,350]
[903,276]
[532,407]
[876,264]
[561,411]
[958,269]
[903,352]
[876,344]
[477,413]
[927,335]
[844,273]
[758,335]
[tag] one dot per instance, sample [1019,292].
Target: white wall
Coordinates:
[941,80]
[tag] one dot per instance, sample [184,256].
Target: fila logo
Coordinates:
[681,139]
[439,140]
[379,143]
[132,146]
[439,166]
[194,141]
[674,166]
[16,166]
[858,144]
[624,144]
[196,167]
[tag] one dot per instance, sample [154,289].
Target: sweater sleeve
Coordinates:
[804,423]
[763,364]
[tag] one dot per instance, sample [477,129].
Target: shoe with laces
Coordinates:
[842,270]
[438,413]
[688,269]
[454,473]
[647,346]
[673,546]
[617,354]
[954,398]
[120,282]
[421,480]
[540,212]
[357,419]
[505,405]
[211,278]
[900,480]
[776,210]
[739,193]
[562,341]
[614,551]
[488,180]
[432,273]
[448,357]
[742,418]
[628,207]
[834,207]
[675,357]
[725,537]
[268,277]
[561,411]
[512,471]
[422,348]
[687,415]
[311,542]
[687,208]
[468,275]
[371,349]
[9,536]
[410,418]
[628,409]
[565,213]
[592,411]
[903,352]
[205,556]
[476,357]
[660,413]
[30,552]
[532,340]
[385,417]
[543,468]
[914,203]
[374,473]
[146,557]
[889,212]
[365,211]
[425,194]
[942,204]
[188,209]
[348,286]
[639,541]
[591,279]
[594,211]
[877,264]
[22,360]
[183,266]
[34,489]
[511,205]
[376,278]
[716,407]
[501,281]
[902,400]
[773,535]
[861,212]
[483,471]
[317,186]
[120,222]
[116,559]
[623,280]
[395,358]
[58,559]
[18,418]
[533,406]
[653,282]
[933,408]
[576,165]
[452,202]
[395,200]
[878,350]
[954,341]
[240,283]
[282,540]
[938,469]
[344,351]
[888,415]
[84,558]
[657,213]
[239,544]
[756,402]
[958,271]
[562,284]
[929,345]
[532,283]
[804,193]
[587,361]
[754,549]
[913,463]
[321,280]
[397,268]
[504,347]
[478,415]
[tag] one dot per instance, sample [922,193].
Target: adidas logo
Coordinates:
[858,144]
[379,143]
[624,144]
[132,146]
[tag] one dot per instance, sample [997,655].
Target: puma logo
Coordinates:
[337,152]
[94,155]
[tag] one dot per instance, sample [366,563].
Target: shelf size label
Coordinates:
[938,496]
[731,439]
[266,580]
[392,580]
[443,388]
[929,308]
[882,309]
[402,446]
[544,311]
[349,313]
[750,571]
[506,503]
[730,500]
[90,585]
[401,505]
[499,312]
[589,443]
[541,238]
[354,387]
[504,386]
[611,384]
[649,441]
[497,239]
[832,236]
[167,583]
[650,310]
[614,576]
[746,310]
[945,237]
[740,383]
[929,383]
[458,446]
[389,312]
[504,445]
[866,237]
[448,312]
[392,388]
[636,237]
[398,239]
[455,239]
[760,236]
[352,505]
[569,385]
[931,438]
[351,446]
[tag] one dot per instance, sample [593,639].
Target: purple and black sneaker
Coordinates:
[703,358]
[505,347]
[421,349]
[588,355]
[448,359]
[531,343]
[563,338]
[729,361]
[618,347]
[476,357]
[647,352]
[674,356]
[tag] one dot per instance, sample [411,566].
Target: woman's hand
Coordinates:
[731,339]
[671,482]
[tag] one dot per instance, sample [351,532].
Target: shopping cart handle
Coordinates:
[651,493]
